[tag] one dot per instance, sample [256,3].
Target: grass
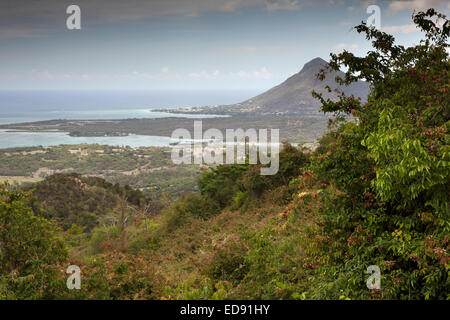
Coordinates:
[19,180]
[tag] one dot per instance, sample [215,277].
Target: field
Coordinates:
[19,180]
[142,168]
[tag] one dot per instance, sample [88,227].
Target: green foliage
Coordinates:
[100,235]
[219,184]
[29,250]
[228,262]
[227,185]
[69,199]
[292,160]
[407,166]
[188,290]
[115,276]
[187,208]
[391,170]
[274,266]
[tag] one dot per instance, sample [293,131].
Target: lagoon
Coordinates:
[12,139]
[31,106]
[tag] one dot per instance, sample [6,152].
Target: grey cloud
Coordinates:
[31,18]
[26,18]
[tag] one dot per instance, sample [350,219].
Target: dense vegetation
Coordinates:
[29,247]
[392,170]
[375,192]
[68,199]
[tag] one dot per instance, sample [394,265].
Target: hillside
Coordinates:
[71,199]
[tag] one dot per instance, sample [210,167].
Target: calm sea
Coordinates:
[29,106]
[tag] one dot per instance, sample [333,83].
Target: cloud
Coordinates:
[42,74]
[205,75]
[24,18]
[163,74]
[406,28]
[272,5]
[261,74]
[250,49]
[13,32]
[345,46]
[402,5]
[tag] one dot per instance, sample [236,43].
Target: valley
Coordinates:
[148,169]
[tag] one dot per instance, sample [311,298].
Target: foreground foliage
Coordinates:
[29,250]
[391,167]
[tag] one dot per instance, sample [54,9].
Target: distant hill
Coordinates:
[294,94]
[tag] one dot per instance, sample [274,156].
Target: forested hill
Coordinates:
[72,199]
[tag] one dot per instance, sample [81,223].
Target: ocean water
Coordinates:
[30,106]
[25,106]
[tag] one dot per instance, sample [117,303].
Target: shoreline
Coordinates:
[295,129]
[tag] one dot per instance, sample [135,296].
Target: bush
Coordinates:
[100,235]
[228,262]
[29,250]
[390,168]
[218,185]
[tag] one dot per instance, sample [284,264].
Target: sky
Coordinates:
[184,44]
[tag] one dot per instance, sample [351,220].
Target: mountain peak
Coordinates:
[316,63]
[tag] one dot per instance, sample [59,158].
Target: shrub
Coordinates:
[29,250]
[228,262]
[390,168]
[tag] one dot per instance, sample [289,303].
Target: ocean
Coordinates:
[30,106]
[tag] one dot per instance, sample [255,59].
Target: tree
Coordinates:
[29,249]
[390,164]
